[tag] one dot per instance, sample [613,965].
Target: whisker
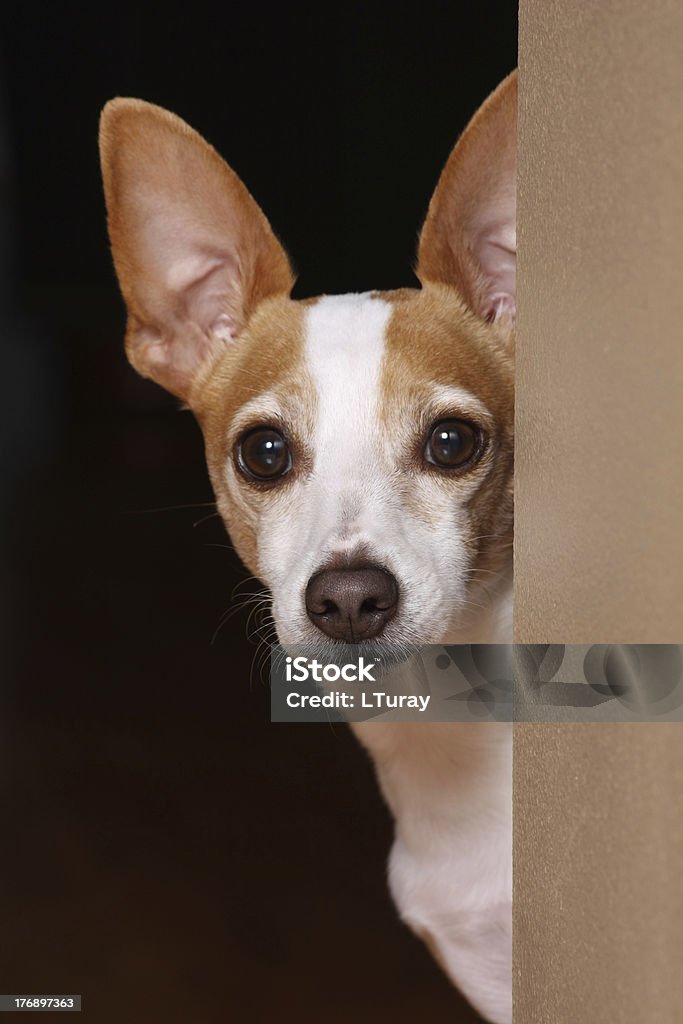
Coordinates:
[204,519]
[168,508]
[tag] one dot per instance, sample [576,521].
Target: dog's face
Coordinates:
[365,432]
[360,446]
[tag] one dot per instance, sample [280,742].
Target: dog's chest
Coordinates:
[449,787]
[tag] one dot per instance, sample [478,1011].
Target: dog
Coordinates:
[360,449]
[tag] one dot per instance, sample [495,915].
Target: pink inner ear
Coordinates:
[496,256]
[206,287]
[500,306]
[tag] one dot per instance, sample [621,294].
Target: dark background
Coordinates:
[164,849]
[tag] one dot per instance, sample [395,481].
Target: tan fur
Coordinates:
[267,359]
[433,338]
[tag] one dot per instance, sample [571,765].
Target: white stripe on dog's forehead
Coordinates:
[345,341]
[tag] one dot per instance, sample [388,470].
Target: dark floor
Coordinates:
[165,851]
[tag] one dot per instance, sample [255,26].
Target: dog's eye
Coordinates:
[263,454]
[452,444]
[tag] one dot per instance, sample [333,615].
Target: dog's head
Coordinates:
[360,446]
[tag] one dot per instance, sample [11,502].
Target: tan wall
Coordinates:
[599,366]
[599,537]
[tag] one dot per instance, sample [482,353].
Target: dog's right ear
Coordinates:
[193,252]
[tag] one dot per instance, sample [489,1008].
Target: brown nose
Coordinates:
[351,604]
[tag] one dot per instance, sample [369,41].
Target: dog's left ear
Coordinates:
[469,238]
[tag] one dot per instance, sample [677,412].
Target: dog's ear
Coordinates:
[193,252]
[468,239]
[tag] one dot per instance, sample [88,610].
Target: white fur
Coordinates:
[449,787]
